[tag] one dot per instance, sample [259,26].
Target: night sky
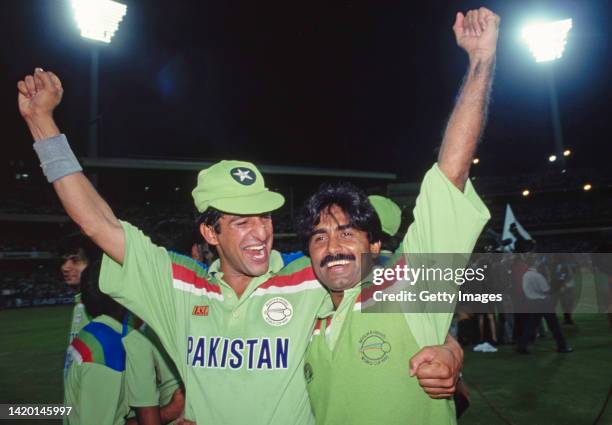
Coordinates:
[344,84]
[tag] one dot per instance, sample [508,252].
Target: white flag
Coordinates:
[506,234]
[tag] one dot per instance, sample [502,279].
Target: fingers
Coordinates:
[30,85]
[475,22]
[425,355]
[55,80]
[439,385]
[22,88]
[38,81]
[482,18]
[43,79]
[474,25]
[434,370]
[458,26]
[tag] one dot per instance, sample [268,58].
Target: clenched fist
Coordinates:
[39,94]
[476,32]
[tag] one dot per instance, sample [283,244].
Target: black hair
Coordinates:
[79,244]
[97,303]
[210,217]
[352,200]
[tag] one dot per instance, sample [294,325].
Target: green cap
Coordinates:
[234,187]
[389,213]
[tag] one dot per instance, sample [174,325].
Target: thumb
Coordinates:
[458,22]
[426,355]
[458,26]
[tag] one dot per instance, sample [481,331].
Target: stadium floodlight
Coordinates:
[587,187]
[552,158]
[98,19]
[567,152]
[526,192]
[546,40]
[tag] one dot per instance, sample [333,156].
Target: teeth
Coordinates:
[337,263]
[255,248]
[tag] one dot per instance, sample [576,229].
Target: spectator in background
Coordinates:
[541,305]
[77,252]
[94,385]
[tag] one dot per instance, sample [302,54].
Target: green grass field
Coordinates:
[506,388]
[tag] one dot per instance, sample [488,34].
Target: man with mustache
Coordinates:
[355,364]
[240,327]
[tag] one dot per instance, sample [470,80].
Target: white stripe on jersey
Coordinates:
[188,287]
[290,289]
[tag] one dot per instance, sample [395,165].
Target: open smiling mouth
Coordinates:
[337,266]
[256,253]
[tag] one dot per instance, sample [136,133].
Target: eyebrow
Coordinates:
[340,228]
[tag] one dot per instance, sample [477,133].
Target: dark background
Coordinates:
[359,85]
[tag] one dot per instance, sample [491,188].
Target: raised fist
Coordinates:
[476,32]
[39,94]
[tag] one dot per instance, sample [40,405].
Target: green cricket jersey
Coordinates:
[240,359]
[357,365]
[80,318]
[95,386]
[151,375]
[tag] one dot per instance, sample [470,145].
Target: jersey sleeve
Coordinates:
[144,284]
[446,220]
[101,393]
[140,373]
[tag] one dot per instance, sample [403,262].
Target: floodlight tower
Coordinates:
[98,20]
[546,41]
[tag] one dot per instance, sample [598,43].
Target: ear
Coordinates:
[209,234]
[375,247]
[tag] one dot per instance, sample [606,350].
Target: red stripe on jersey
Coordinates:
[293,279]
[368,292]
[190,277]
[83,350]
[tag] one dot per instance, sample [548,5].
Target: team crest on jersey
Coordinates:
[374,349]
[277,311]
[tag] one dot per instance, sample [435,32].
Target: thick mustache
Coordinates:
[337,257]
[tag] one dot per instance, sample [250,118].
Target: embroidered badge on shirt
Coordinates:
[277,311]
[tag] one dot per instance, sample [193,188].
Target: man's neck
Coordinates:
[236,280]
[336,297]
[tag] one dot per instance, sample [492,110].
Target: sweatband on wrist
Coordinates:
[56,158]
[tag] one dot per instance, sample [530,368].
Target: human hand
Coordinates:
[39,94]
[476,32]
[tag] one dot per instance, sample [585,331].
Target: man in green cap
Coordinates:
[233,331]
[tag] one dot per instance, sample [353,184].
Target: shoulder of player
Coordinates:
[297,273]
[99,343]
[191,274]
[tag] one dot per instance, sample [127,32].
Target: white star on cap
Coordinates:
[243,175]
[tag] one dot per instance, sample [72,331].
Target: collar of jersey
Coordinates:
[276,263]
